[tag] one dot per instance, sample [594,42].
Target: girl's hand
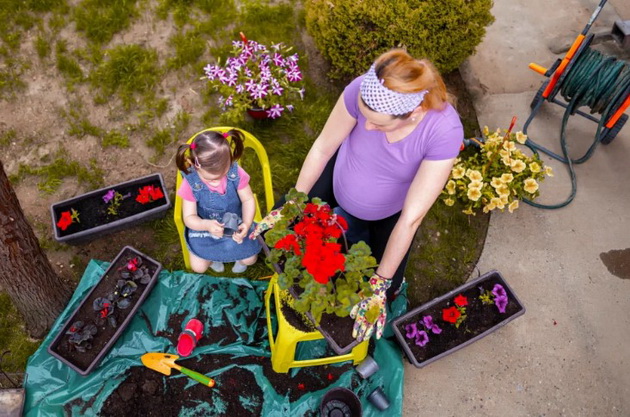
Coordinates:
[215,228]
[241,232]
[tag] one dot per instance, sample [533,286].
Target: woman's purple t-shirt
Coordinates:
[372,176]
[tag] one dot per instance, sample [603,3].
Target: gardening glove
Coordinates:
[268,222]
[375,304]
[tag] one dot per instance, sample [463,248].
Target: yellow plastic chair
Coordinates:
[249,142]
[285,342]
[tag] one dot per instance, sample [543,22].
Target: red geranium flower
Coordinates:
[148,194]
[461,300]
[301,386]
[65,220]
[289,243]
[451,314]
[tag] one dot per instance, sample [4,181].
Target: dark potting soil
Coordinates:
[479,318]
[87,315]
[145,392]
[93,210]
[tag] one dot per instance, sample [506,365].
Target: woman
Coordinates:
[383,158]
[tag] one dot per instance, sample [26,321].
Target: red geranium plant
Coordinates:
[67,218]
[149,194]
[306,242]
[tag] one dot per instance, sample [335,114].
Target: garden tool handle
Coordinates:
[197,376]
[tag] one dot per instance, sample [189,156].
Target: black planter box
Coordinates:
[327,321]
[92,357]
[514,309]
[150,211]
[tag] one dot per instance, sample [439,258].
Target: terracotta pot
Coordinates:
[258,114]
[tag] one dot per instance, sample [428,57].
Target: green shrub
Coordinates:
[351,33]
[100,20]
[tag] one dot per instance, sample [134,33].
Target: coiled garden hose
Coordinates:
[597,81]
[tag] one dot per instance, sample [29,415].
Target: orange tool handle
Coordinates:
[565,61]
[611,122]
[538,68]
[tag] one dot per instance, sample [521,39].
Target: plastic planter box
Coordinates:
[106,284]
[515,309]
[153,210]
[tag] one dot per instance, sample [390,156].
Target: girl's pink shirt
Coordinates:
[186,193]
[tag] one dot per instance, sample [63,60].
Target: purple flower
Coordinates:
[422,338]
[276,89]
[278,60]
[499,291]
[301,93]
[239,88]
[290,107]
[501,303]
[275,111]
[412,330]
[237,44]
[229,101]
[109,196]
[429,325]
[294,75]
[276,46]
[251,86]
[259,92]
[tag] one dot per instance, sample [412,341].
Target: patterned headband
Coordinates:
[383,100]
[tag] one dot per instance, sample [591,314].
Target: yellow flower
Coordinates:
[487,208]
[476,184]
[474,175]
[450,187]
[521,138]
[507,161]
[507,178]
[458,172]
[468,211]
[509,146]
[513,206]
[505,199]
[498,203]
[449,202]
[496,182]
[473,194]
[549,171]
[518,165]
[534,167]
[503,190]
[530,185]
[504,153]
[489,154]
[518,154]
[486,131]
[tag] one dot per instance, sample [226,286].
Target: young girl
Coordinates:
[214,185]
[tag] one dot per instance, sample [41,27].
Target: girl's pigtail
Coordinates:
[238,145]
[182,160]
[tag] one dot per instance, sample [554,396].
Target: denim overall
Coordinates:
[212,205]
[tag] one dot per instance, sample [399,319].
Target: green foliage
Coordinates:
[351,34]
[189,47]
[160,140]
[69,68]
[100,20]
[6,137]
[61,167]
[13,338]
[42,46]
[126,70]
[115,138]
[10,73]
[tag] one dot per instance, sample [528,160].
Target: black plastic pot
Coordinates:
[107,283]
[340,402]
[153,211]
[516,309]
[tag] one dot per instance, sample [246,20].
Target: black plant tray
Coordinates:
[342,342]
[105,224]
[84,363]
[444,344]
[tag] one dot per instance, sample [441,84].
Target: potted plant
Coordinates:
[457,319]
[263,80]
[106,210]
[106,310]
[309,254]
[495,174]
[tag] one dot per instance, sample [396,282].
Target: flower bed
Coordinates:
[107,210]
[457,319]
[106,311]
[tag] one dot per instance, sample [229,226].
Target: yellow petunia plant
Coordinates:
[497,175]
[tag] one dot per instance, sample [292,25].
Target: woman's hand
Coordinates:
[374,306]
[214,227]
[240,233]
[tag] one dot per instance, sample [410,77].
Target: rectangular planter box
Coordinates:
[106,285]
[153,210]
[515,309]
[328,321]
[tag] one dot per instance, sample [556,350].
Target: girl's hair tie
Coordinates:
[193,146]
[225,135]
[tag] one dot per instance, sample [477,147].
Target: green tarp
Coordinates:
[236,339]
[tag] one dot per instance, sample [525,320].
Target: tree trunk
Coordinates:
[25,273]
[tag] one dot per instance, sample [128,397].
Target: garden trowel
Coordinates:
[164,362]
